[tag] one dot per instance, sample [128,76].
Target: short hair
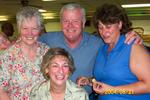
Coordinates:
[7,28]
[73,6]
[111,14]
[27,13]
[50,54]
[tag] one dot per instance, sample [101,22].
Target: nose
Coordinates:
[70,24]
[29,31]
[104,30]
[61,70]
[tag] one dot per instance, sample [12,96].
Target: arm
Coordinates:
[4,95]
[4,76]
[140,67]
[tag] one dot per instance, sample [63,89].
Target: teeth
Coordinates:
[30,38]
[71,30]
[60,77]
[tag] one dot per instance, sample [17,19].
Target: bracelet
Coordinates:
[120,91]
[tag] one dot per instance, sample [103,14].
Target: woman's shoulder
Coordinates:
[39,88]
[10,51]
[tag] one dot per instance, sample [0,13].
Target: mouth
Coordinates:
[29,38]
[60,77]
[71,30]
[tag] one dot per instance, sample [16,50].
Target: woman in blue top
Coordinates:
[122,70]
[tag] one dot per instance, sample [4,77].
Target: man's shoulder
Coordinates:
[92,37]
[52,34]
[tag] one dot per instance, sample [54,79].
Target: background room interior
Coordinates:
[140,16]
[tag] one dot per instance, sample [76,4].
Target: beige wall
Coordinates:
[55,26]
[144,24]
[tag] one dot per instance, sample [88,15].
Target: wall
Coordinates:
[142,23]
[55,26]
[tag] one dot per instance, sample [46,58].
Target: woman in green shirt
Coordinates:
[57,66]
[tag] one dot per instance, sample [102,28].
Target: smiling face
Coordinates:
[72,24]
[110,33]
[58,70]
[29,31]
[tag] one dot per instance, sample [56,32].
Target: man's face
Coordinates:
[72,24]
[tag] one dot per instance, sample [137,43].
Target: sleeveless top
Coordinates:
[114,69]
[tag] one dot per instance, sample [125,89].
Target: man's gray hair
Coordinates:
[72,6]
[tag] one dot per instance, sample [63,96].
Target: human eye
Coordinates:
[66,65]
[65,21]
[53,65]
[35,28]
[76,21]
[24,28]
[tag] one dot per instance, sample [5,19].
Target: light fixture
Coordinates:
[135,5]
[48,15]
[3,18]
[42,10]
[48,0]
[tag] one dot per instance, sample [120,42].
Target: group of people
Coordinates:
[47,67]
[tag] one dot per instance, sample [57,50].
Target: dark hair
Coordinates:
[50,54]
[111,14]
[7,28]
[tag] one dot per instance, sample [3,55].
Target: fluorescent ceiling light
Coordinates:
[3,18]
[42,10]
[48,0]
[49,17]
[49,14]
[135,5]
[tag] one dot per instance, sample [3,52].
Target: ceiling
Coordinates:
[10,7]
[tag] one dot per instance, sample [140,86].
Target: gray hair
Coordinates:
[27,13]
[72,6]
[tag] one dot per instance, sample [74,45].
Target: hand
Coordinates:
[100,87]
[4,95]
[82,81]
[131,36]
